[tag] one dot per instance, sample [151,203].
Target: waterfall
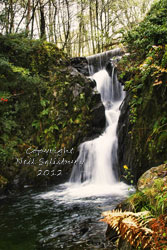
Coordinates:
[94,177]
[99,156]
[99,61]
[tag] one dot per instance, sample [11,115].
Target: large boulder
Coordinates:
[147,180]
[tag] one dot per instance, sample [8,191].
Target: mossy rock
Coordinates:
[3,182]
[143,117]
[49,105]
[148,179]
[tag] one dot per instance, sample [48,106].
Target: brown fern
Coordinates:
[130,226]
[159,227]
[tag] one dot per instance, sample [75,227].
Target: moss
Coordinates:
[145,77]
[3,182]
[148,199]
[42,111]
[151,192]
[164,59]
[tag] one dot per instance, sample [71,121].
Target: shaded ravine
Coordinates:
[67,216]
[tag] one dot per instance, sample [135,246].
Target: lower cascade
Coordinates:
[100,155]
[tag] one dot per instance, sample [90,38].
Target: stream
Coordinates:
[54,218]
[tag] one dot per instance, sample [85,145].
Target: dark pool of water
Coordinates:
[31,221]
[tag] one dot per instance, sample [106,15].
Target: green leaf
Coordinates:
[55,127]
[82,96]
[71,120]
[36,124]
[44,102]
[45,112]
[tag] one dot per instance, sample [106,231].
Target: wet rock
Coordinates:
[77,89]
[75,73]
[112,63]
[96,97]
[81,64]
[79,68]
[98,115]
[125,147]
[84,228]
[109,68]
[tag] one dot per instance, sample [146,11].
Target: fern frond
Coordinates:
[130,226]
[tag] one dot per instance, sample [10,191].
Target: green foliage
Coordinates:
[3,181]
[36,55]
[145,77]
[153,199]
[37,105]
[138,201]
[128,175]
[152,31]
[16,114]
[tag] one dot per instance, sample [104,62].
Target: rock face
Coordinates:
[125,146]
[137,147]
[79,67]
[98,112]
[98,115]
[146,83]
[89,108]
[81,64]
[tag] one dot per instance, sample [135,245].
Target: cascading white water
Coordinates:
[96,176]
[97,154]
[98,61]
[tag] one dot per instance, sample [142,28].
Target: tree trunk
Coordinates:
[97,25]
[11,13]
[91,26]
[28,15]
[42,21]
[68,24]
[33,16]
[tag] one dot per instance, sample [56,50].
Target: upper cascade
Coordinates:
[99,61]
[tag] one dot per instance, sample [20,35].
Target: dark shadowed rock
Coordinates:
[92,83]
[111,234]
[81,64]
[124,142]
[75,73]
[98,115]
[97,109]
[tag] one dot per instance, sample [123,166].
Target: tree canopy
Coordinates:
[81,27]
